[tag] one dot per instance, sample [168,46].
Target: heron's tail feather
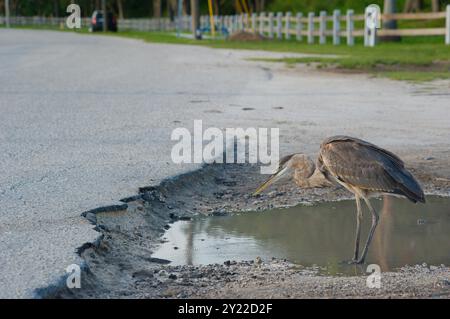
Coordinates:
[414,197]
[408,185]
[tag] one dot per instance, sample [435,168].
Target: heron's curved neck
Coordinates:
[317,179]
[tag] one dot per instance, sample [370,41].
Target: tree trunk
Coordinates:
[172,9]
[390,7]
[105,16]
[435,5]
[413,5]
[55,8]
[120,9]
[157,8]
[195,12]
[14,7]
[216,7]
[186,7]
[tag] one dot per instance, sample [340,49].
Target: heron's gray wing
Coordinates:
[369,167]
[356,165]
[344,138]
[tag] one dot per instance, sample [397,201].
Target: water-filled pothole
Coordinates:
[321,234]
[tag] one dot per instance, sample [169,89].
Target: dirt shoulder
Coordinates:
[281,279]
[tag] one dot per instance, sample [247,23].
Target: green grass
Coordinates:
[416,76]
[412,59]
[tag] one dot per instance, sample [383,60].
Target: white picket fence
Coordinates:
[276,26]
[154,24]
[40,21]
[324,26]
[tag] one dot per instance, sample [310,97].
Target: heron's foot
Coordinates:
[355,261]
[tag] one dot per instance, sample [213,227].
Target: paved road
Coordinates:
[86,120]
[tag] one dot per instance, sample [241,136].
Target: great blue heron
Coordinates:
[361,167]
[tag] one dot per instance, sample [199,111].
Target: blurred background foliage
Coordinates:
[155,8]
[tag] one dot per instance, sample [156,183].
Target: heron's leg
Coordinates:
[359,217]
[372,230]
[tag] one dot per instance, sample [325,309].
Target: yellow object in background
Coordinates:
[211,18]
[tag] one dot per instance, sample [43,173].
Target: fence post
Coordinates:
[221,23]
[323,27]
[287,31]
[299,26]
[311,27]
[447,26]
[254,22]
[336,27]
[246,22]
[279,25]
[271,25]
[366,30]
[261,23]
[370,29]
[350,27]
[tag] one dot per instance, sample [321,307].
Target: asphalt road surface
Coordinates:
[86,120]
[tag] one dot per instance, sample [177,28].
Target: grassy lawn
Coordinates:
[412,59]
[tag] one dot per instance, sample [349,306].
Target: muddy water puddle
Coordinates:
[319,235]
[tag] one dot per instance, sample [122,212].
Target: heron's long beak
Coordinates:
[271,180]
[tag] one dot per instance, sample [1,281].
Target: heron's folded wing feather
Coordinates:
[343,138]
[359,165]
[368,166]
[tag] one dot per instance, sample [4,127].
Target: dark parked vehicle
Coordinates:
[97,21]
